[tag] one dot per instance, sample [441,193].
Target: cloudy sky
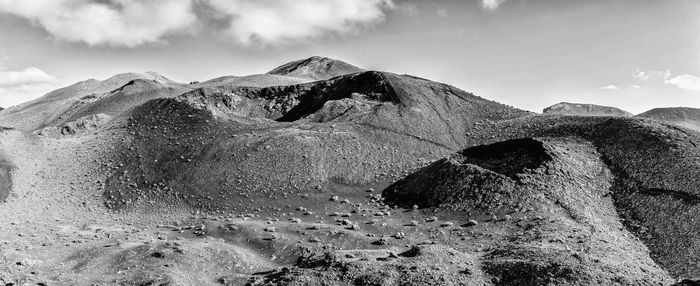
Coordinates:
[633,54]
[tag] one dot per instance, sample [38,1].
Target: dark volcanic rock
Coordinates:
[5,179]
[405,105]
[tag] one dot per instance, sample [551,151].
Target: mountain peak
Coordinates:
[315,68]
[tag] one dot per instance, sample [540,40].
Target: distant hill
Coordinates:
[567,108]
[53,106]
[315,68]
[257,80]
[682,116]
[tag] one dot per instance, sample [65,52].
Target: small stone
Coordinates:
[447,224]
[471,222]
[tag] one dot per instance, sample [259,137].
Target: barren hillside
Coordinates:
[321,173]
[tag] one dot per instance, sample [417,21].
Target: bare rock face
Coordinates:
[567,108]
[85,123]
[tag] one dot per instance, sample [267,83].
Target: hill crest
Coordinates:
[316,68]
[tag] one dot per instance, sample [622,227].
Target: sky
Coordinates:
[631,54]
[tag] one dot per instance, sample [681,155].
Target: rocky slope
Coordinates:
[339,181]
[567,108]
[682,116]
[384,118]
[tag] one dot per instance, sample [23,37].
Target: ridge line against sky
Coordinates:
[520,52]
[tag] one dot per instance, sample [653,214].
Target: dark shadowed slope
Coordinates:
[405,105]
[49,108]
[567,108]
[682,116]
[315,68]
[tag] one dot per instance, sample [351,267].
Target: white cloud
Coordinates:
[636,86]
[20,86]
[651,75]
[283,21]
[610,87]
[491,4]
[105,22]
[685,81]
[28,76]
[131,23]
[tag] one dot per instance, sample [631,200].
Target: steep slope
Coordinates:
[682,116]
[567,108]
[404,105]
[656,167]
[49,108]
[547,200]
[315,68]
[182,141]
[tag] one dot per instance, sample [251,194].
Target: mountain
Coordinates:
[316,68]
[682,116]
[567,108]
[52,107]
[360,178]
